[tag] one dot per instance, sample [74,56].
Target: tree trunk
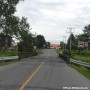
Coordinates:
[6,42]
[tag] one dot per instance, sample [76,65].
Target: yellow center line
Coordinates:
[31,76]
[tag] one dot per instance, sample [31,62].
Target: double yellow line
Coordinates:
[31,76]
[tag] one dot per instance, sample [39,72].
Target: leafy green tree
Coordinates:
[47,45]
[81,37]
[24,36]
[40,41]
[26,43]
[86,30]
[73,42]
[34,41]
[23,25]
[2,40]
[62,44]
[8,22]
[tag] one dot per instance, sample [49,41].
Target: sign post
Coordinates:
[80,45]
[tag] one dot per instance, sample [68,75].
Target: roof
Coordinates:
[54,45]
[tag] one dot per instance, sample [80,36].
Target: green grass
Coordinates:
[57,51]
[82,70]
[7,62]
[4,54]
[82,58]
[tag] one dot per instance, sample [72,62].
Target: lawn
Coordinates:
[82,58]
[57,51]
[3,54]
[82,70]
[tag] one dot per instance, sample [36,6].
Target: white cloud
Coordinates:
[49,1]
[52,17]
[57,14]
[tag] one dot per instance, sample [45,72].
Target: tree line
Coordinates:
[11,25]
[84,37]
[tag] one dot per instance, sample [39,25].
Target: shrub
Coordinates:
[67,52]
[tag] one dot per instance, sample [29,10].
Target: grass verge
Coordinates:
[57,51]
[4,54]
[7,62]
[82,58]
[82,70]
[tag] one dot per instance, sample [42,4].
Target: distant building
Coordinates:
[2,40]
[54,46]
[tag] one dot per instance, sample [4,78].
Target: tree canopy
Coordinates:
[8,22]
[40,41]
[26,43]
[73,42]
[86,30]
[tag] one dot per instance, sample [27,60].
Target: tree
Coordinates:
[7,19]
[8,22]
[81,37]
[73,42]
[47,45]
[24,36]
[86,30]
[23,25]
[40,41]
[2,41]
[62,44]
[26,43]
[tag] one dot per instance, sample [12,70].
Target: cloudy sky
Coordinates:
[52,18]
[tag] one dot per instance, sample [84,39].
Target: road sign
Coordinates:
[86,44]
[16,49]
[81,44]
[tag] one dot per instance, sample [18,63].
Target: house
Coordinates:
[54,46]
[3,42]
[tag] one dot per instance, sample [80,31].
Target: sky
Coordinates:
[53,18]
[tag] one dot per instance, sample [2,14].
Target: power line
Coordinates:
[64,37]
[71,32]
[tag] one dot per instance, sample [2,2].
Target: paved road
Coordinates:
[44,72]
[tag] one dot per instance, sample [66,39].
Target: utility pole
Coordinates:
[65,41]
[70,31]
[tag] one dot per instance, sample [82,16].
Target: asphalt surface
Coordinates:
[44,72]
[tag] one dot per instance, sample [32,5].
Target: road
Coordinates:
[43,72]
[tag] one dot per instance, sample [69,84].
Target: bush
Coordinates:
[83,52]
[34,53]
[67,52]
